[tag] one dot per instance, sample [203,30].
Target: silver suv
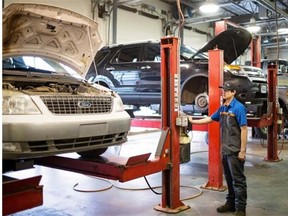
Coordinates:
[47,106]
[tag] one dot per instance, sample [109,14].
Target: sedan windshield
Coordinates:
[37,64]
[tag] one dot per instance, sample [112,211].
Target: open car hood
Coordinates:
[49,31]
[232,41]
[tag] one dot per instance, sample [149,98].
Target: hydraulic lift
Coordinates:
[167,156]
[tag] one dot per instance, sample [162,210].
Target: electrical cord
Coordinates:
[192,197]
[97,190]
[151,187]
[134,189]
[142,188]
[158,193]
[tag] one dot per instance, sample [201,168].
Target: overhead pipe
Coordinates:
[274,45]
[130,9]
[269,5]
[200,20]
[143,13]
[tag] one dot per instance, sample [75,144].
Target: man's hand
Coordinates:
[190,119]
[242,155]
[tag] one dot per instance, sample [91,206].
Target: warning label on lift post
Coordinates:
[176,93]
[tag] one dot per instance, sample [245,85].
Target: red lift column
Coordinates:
[215,171]
[170,85]
[272,151]
[256,51]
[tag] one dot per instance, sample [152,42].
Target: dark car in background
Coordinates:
[133,71]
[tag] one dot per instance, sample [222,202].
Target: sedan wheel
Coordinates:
[92,153]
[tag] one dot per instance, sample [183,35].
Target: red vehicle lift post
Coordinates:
[272,151]
[256,51]
[270,119]
[170,104]
[215,171]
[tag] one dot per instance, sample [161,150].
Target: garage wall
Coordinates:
[132,27]
[273,53]
[197,40]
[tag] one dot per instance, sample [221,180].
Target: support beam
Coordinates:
[256,51]
[272,151]
[170,103]
[215,171]
[21,194]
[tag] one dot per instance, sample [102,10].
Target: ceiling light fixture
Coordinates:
[209,7]
[253,28]
[283,30]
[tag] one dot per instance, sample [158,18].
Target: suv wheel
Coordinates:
[201,101]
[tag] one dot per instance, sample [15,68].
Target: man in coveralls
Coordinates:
[233,121]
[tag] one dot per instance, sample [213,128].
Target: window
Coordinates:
[152,53]
[38,64]
[100,56]
[127,55]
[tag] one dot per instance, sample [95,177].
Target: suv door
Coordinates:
[150,77]
[124,67]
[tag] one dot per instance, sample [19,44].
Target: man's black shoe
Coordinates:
[226,208]
[239,213]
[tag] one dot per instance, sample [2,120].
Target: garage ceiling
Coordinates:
[268,14]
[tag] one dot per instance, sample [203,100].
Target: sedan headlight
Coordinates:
[19,105]
[118,105]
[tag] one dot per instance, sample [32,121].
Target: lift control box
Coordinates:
[182,121]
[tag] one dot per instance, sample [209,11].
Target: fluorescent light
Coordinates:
[253,28]
[209,8]
[283,30]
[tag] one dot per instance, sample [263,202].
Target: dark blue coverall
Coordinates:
[231,118]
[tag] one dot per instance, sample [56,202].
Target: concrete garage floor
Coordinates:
[267,184]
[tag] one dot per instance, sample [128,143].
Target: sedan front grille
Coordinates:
[75,104]
[77,143]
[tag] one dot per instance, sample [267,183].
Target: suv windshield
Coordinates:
[37,64]
[188,52]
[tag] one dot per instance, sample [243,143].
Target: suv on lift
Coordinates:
[133,71]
